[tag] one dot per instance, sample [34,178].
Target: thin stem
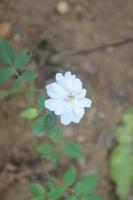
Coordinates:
[27,89]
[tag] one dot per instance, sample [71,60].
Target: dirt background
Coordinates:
[53,33]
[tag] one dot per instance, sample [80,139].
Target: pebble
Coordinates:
[62,7]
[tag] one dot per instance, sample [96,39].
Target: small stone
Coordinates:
[11,168]
[80,138]
[5,29]
[17,37]
[62,7]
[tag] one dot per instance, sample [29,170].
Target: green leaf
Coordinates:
[72,197]
[21,59]
[38,127]
[50,120]
[121,169]
[128,116]
[55,134]
[29,75]
[56,192]
[5,74]
[70,177]
[124,132]
[7,53]
[86,184]
[92,197]
[48,152]
[37,191]
[29,113]
[73,149]
[40,103]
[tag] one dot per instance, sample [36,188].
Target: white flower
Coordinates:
[67,98]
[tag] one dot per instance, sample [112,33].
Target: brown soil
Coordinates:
[50,35]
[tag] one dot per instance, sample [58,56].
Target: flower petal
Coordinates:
[79,111]
[85,102]
[69,81]
[67,74]
[54,90]
[82,94]
[55,105]
[60,79]
[66,118]
[76,87]
[76,118]
[68,106]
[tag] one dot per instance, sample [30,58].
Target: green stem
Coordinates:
[27,90]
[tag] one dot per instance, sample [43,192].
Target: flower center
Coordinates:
[70,98]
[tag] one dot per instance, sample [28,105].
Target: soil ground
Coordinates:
[52,36]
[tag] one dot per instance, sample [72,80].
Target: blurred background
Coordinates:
[57,32]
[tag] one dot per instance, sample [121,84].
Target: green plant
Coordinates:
[44,124]
[121,160]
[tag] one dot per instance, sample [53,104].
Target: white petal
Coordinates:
[66,118]
[55,105]
[82,94]
[68,106]
[69,81]
[59,110]
[54,90]
[60,79]
[76,86]
[76,118]
[68,74]
[79,111]
[85,102]
[51,93]
[49,104]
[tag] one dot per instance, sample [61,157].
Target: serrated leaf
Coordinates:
[92,197]
[5,74]
[70,176]
[37,191]
[50,120]
[40,103]
[29,113]
[55,134]
[86,184]
[73,149]
[29,75]
[38,127]
[21,59]
[121,169]
[56,192]
[48,152]
[7,53]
